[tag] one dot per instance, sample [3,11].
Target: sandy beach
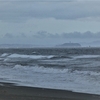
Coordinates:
[9,91]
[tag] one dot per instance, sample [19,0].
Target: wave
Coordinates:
[60,56]
[91,73]
[41,69]
[86,56]
[29,56]
[5,55]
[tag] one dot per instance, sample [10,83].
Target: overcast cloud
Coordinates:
[17,10]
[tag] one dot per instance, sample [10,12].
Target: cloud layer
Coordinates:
[45,34]
[77,35]
[20,10]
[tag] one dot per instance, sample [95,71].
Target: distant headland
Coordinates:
[69,45]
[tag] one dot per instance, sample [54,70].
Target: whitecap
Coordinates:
[30,56]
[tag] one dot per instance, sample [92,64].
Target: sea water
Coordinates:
[75,69]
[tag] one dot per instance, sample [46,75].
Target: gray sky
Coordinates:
[54,21]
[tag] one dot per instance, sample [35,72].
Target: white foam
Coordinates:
[79,81]
[92,73]
[4,54]
[87,56]
[41,69]
[29,56]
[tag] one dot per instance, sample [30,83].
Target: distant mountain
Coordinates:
[69,45]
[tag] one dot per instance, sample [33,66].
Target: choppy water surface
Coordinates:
[76,69]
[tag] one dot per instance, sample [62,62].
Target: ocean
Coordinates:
[75,69]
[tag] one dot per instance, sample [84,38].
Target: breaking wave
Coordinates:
[29,56]
[41,69]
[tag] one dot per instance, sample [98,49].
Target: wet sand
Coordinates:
[9,91]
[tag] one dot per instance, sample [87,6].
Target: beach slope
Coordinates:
[9,91]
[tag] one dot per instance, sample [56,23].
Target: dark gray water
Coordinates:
[76,69]
[71,58]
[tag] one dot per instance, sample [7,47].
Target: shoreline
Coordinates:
[9,91]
